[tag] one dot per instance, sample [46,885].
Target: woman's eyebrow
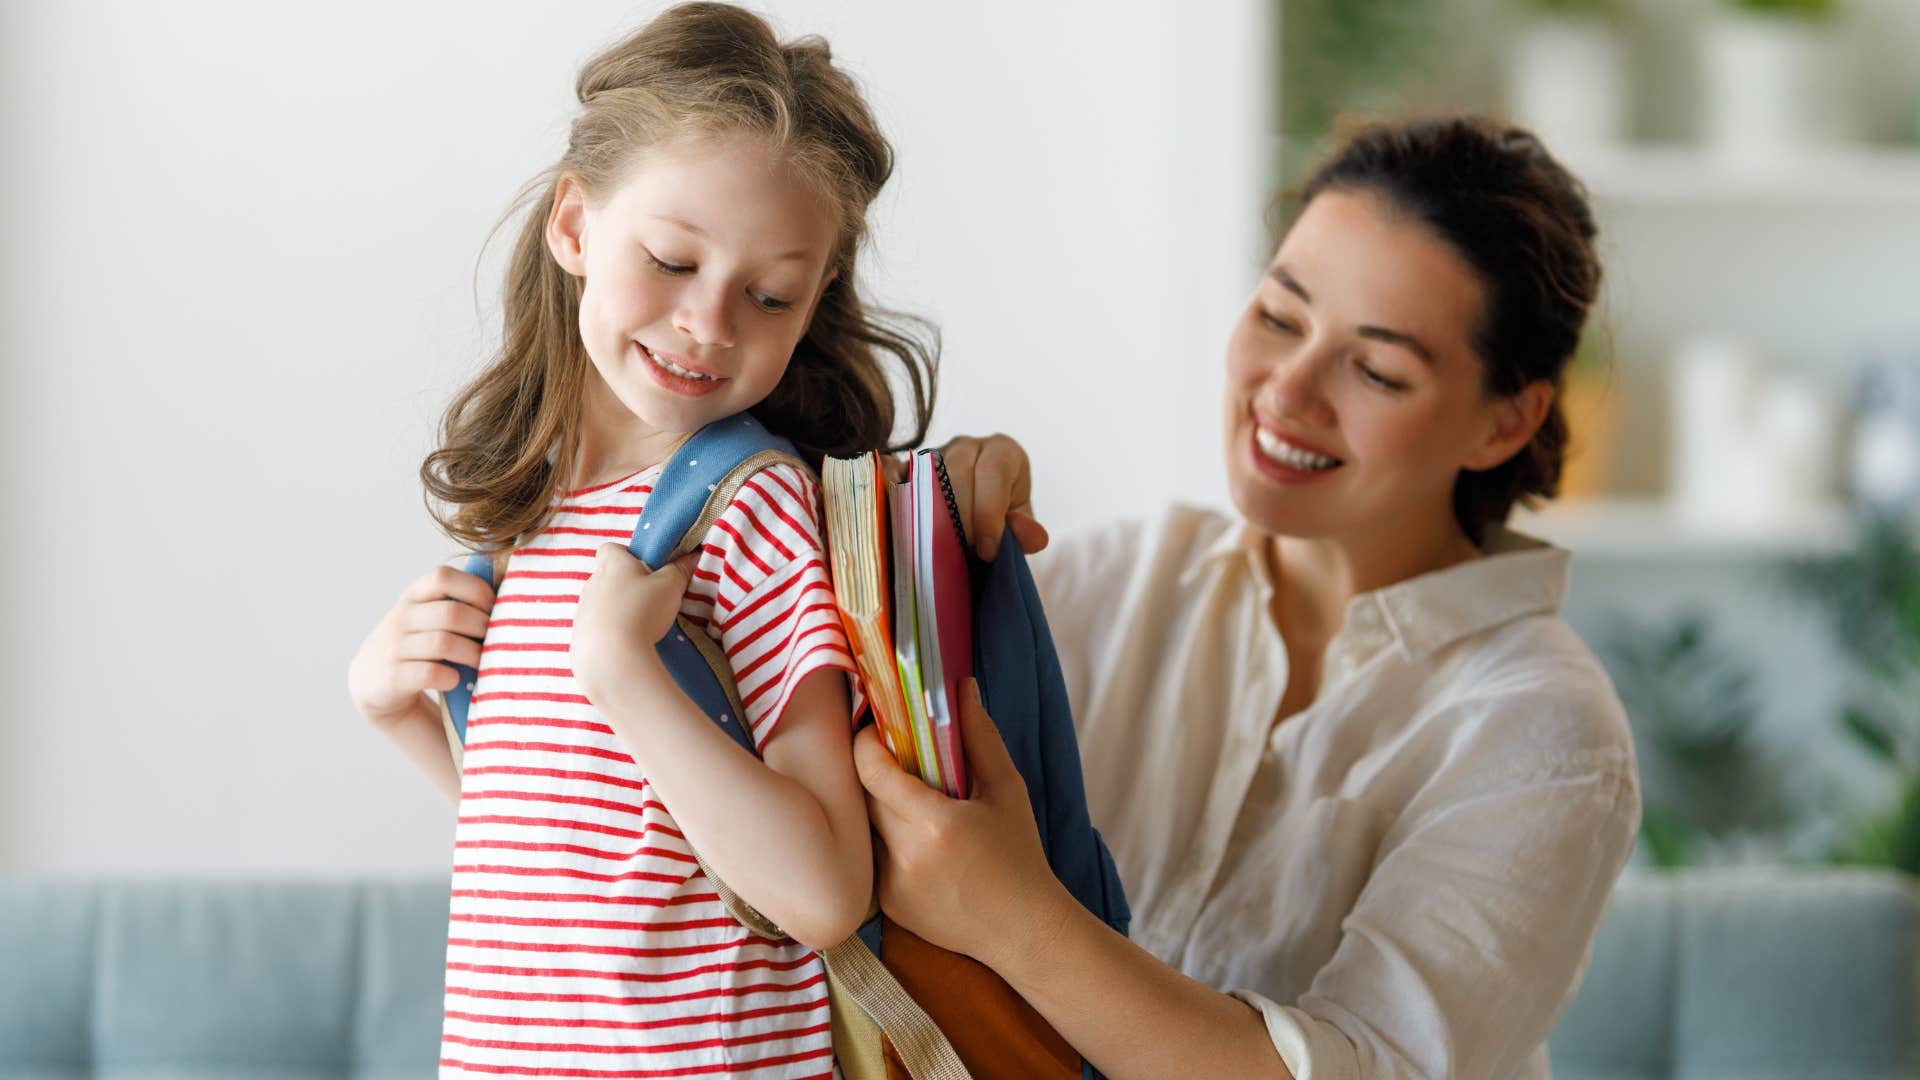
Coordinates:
[1378,333]
[1394,337]
[1287,282]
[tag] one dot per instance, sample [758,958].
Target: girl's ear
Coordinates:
[567,226]
[1515,419]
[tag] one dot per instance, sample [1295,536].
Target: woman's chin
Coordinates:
[1276,513]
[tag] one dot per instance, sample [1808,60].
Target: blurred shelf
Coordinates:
[1653,528]
[1682,174]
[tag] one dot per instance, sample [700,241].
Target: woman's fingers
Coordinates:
[988,762]
[894,466]
[1028,532]
[992,483]
[890,789]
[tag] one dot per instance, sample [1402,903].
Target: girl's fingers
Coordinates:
[439,645]
[450,615]
[416,675]
[444,582]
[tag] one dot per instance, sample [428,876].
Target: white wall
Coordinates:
[236,251]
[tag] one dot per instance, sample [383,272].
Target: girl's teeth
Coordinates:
[1290,456]
[677,369]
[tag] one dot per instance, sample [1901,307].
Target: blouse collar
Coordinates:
[1518,576]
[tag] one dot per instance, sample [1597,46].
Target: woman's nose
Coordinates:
[1295,384]
[703,316]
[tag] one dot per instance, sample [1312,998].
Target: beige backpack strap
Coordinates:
[922,1047]
[852,969]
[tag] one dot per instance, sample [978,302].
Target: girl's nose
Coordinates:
[703,316]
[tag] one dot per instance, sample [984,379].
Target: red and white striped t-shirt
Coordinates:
[584,940]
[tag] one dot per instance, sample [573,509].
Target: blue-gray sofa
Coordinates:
[1755,975]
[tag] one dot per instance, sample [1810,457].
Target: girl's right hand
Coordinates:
[441,616]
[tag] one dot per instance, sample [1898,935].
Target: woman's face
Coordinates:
[1354,395]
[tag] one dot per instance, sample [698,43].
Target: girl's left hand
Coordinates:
[625,609]
[967,875]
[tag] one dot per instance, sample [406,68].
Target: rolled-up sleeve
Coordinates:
[1474,929]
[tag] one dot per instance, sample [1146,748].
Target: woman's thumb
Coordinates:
[987,757]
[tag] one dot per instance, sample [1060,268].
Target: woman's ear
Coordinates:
[567,226]
[1514,421]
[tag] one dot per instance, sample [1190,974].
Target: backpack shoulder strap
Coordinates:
[490,567]
[695,486]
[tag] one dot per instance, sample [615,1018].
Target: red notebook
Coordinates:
[943,610]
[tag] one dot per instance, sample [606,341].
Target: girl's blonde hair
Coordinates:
[698,71]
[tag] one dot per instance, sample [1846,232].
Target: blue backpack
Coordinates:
[1022,688]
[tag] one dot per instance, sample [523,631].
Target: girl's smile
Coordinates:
[677,374]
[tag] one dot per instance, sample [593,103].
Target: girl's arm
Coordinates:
[789,833]
[421,736]
[970,876]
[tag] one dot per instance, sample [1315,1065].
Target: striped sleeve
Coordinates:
[760,587]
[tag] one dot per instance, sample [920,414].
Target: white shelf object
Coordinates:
[1681,174]
[1655,528]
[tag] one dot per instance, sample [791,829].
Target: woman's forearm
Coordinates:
[761,832]
[1128,1013]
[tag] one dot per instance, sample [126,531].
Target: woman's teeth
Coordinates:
[1291,456]
[675,368]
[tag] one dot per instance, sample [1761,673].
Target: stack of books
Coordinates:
[900,577]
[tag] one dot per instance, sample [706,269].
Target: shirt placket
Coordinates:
[1252,704]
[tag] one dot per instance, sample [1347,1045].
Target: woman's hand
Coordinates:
[441,616]
[967,875]
[993,485]
[625,609]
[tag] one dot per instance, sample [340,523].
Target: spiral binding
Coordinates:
[946,491]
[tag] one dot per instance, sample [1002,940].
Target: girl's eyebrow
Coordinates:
[797,255]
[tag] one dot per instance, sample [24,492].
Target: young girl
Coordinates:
[690,257]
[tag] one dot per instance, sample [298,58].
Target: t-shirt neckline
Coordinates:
[600,493]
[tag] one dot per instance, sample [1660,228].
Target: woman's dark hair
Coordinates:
[1522,222]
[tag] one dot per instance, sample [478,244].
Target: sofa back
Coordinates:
[210,978]
[1753,974]
[1757,975]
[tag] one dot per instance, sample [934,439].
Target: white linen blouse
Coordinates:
[1405,877]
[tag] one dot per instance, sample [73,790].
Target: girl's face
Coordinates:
[700,273]
[1354,395]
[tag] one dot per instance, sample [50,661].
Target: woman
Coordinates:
[1356,772]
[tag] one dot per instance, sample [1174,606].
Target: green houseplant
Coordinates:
[1691,699]
[1801,8]
[1871,599]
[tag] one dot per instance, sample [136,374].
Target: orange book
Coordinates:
[858,545]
